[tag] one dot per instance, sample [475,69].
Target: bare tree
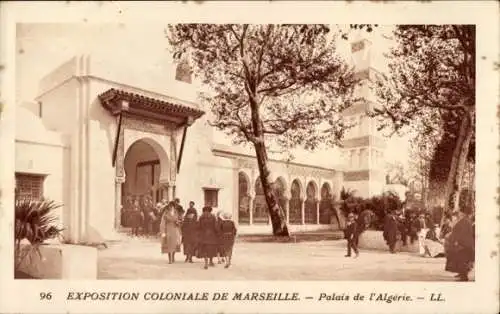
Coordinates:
[281,84]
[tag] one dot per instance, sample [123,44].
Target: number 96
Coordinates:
[45,295]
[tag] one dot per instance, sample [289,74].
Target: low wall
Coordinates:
[374,240]
[60,261]
[267,229]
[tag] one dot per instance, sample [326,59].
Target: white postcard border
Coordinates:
[479,297]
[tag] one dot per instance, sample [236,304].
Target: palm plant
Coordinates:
[35,222]
[346,194]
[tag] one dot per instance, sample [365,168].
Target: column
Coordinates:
[250,205]
[303,211]
[163,187]
[317,211]
[120,175]
[170,192]
[287,210]
[118,201]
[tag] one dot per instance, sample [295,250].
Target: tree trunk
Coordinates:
[462,162]
[275,211]
[460,153]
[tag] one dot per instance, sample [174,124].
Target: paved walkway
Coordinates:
[321,260]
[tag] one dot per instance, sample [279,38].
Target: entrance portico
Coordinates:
[147,154]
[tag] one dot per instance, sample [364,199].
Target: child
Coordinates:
[227,235]
[351,235]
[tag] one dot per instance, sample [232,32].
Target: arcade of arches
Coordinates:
[300,206]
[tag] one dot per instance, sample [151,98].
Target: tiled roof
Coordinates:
[111,98]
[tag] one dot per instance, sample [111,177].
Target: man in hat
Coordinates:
[351,235]
[391,230]
[178,206]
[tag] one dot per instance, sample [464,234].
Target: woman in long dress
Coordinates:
[422,233]
[460,248]
[208,227]
[170,232]
[433,245]
[190,232]
[220,255]
[227,235]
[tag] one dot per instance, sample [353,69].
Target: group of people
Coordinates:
[454,239]
[207,236]
[413,225]
[141,215]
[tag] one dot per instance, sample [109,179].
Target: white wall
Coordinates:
[59,108]
[199,169]
[38,151]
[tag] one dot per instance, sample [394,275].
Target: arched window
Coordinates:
[325,205]
[295,203]
[310,204]
[243,199]
[260,212]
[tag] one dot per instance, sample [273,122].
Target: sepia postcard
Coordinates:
[249,157]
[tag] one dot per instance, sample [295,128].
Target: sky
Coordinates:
[43,47]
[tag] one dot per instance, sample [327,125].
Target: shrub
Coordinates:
[375,207]
[35,222]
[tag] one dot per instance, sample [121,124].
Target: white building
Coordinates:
[92,138]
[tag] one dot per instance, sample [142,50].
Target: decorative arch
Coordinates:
[160,152]
[145,166]
[280,191]
[243,198]
[311,203]
[259,210]
[326,191]
[296,199]
[281,183]
[326,210]
[312,190]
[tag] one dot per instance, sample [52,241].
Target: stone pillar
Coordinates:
[303,211]
[287,210]
[164,189]
[170,192]
[250,204]
[118,201]
[317,211]
[120,175]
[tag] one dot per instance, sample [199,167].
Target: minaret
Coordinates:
[364,146]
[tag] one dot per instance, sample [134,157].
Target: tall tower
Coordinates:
[364,146]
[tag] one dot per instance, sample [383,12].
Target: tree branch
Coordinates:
[261,54]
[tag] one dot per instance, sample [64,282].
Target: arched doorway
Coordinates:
[243,199]
[295,203]
[310,209]
[325,204]
[279,188]
[143,170]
